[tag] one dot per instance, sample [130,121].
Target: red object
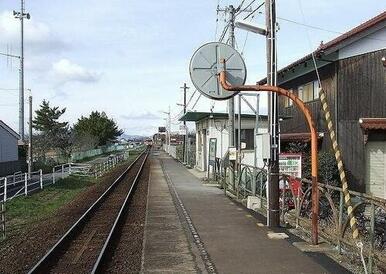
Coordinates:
[295,186]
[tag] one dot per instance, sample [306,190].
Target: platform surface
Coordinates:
[166,247]
[234,241]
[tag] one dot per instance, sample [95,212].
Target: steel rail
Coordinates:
[114,229]
[39,266]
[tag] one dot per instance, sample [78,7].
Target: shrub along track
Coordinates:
[22,250]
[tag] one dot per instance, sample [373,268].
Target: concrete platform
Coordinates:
[227,238]
[166,247]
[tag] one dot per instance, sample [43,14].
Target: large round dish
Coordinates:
[205,67]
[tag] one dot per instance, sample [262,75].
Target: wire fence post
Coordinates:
[41,178]
[372,231]
[53,175]
[340,220]
[5,189]
[62,171]
[3,220]
[25,184]
[69,168]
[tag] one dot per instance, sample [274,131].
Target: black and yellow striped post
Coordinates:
[338,157]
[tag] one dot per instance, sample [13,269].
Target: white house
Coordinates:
[8,143]
[211,128]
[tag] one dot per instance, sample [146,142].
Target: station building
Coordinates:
[212,134]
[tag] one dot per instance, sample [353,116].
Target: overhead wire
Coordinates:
[198,98]
[241,5]
[244,9]
[251,15]
[191,97]
[9,89]
[224,32]
[252,12]
[320,28]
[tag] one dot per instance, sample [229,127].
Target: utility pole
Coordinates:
[184,151]
[21,15]
[231,101]
[168,129]
[30,159]
[273,213]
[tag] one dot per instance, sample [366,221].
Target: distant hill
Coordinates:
[132,137]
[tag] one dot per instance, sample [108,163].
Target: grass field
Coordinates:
[25,210]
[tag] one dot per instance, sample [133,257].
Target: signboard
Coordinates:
[291,164]
[212,151]
[161,129]
[232,154]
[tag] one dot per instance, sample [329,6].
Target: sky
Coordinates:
[130,58]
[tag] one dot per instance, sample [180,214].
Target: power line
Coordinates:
[198,98]
[191,97]
[9,89]
[241,5]
[320,28]
[244,9]
[224,32]
[252,12]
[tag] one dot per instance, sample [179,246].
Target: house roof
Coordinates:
[194,116]
[9,129]
[373,123]
[336,43]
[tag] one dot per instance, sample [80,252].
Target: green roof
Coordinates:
[194,116]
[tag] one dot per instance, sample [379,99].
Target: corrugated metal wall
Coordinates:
[8,146]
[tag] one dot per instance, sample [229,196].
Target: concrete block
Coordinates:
[253,202]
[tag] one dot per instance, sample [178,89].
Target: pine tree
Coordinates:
[47,119]
[98,125]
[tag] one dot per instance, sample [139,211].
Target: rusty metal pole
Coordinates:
[314,139]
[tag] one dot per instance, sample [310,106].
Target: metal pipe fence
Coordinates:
[295,209]
[19,184]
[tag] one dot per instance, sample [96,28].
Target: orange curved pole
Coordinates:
[314,139]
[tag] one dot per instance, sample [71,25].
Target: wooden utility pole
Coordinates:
[184,151]
[273,213]
[231,101]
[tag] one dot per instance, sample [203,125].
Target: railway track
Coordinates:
[83,248]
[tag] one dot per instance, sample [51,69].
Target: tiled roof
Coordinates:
[373,123]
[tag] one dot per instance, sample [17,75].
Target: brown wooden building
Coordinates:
[352,68]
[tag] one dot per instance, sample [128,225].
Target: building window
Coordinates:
[309,92]
[316,90]
[287,101]
[247,137]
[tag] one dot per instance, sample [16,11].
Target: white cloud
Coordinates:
[38,36]
[141,116]
[65,71]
